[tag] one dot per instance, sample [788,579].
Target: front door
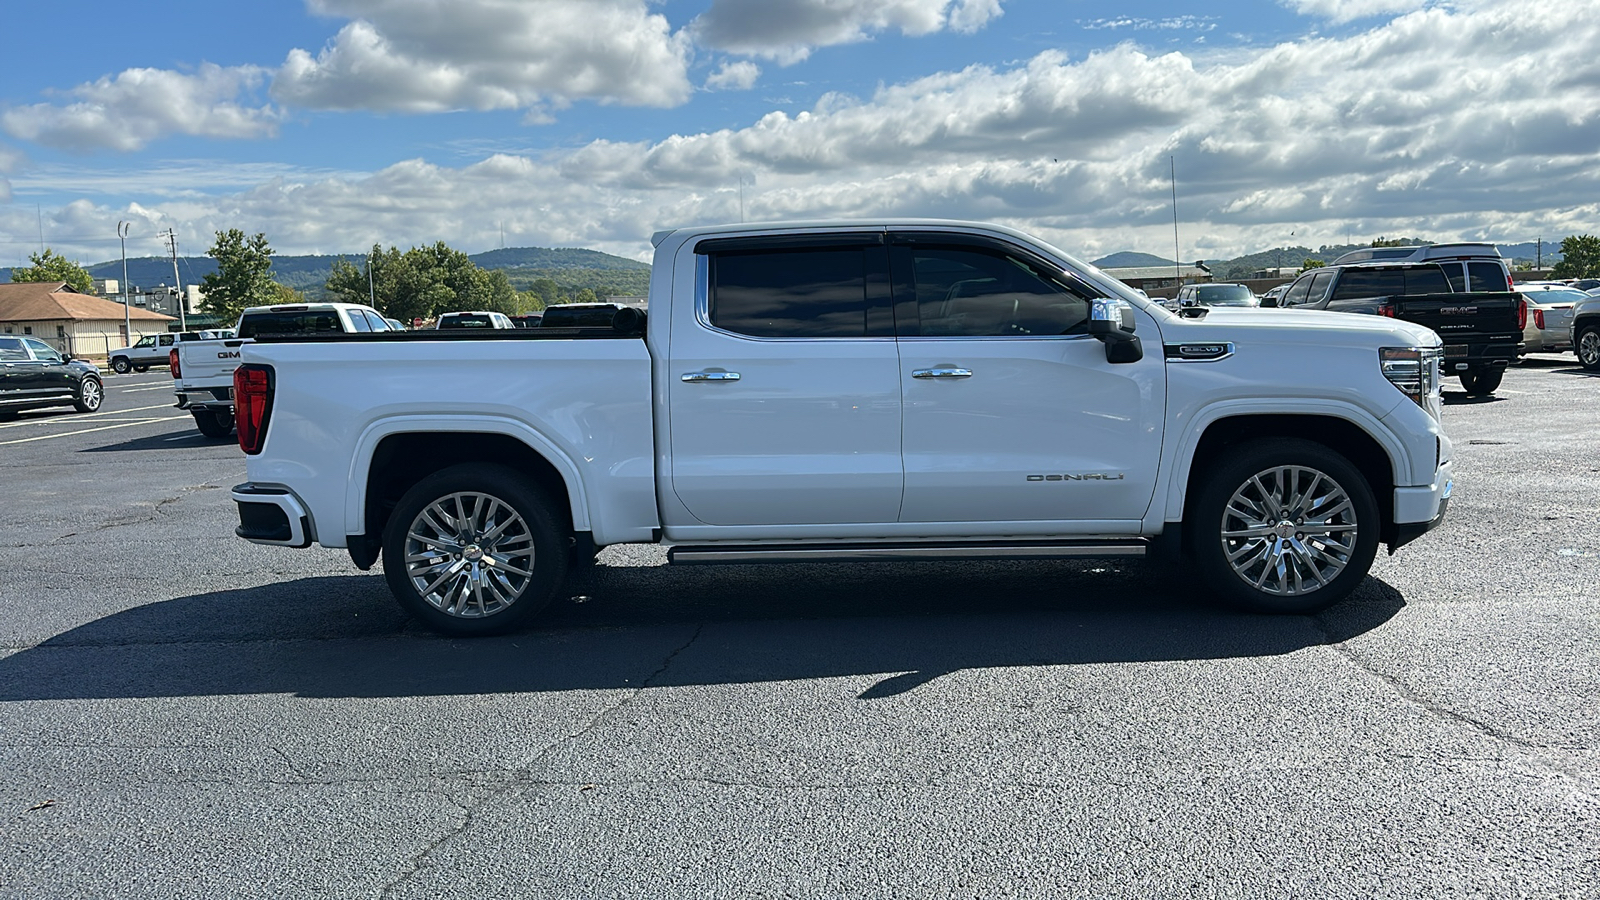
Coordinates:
[1012,413]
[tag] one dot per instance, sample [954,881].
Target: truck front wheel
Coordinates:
[1283,526]
[474,550]
[1483,382]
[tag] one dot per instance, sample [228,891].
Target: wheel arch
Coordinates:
[1381,462]
[393,456]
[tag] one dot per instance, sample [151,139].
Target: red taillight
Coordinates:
[252,405]
[172,363]
[1386,309]
[1522,315]
[1538,319]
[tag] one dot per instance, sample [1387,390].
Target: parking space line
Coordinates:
[153,387]
[46,437]
[93,415]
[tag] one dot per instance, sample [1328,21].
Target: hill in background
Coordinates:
[571,269]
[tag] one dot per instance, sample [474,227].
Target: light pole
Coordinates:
[127,301]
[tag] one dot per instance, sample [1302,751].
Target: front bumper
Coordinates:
[271,514]
[1419,510]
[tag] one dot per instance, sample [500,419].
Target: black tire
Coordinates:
[1588,347]
[1483,382]
[1238,568]
[91,393]
[121,366]
[527,543]
[213,424]
[142,367]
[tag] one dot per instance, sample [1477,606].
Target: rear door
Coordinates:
[1012,413]
[784,384]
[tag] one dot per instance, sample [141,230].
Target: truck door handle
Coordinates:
[942,372]
[711,376]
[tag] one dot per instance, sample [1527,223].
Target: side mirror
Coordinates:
[1269,302]
[67,357]
[1188,301]
[1111,322]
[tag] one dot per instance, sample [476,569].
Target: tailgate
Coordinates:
[208,363]
[1464,316]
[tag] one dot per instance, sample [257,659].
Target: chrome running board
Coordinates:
[712,554]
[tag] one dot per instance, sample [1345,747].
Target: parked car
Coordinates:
[1586,331]
[1469,266]
[150,350]
[1274,296]
[896,390]
[202,370]
[1213,295]
[1584,284]
[34,374]
[1549,328]
[582,315]
[477,318]
[528,320]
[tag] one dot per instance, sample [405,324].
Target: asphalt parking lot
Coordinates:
[183,714]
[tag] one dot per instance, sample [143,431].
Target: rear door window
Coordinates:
[1429,280]
[1296,295]
[812,292]
[1359,283]
[1486,276]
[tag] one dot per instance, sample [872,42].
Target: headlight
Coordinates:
[1414,370]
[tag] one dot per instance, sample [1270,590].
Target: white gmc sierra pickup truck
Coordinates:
[852,391]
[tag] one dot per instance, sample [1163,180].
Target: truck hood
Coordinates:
[1298,326]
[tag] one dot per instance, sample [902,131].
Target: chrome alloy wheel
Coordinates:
[1589,348]
[469,554]
[90,394]
[1289,530]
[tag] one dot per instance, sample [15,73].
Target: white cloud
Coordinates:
[1175,23]
[788,30]
[1350,10]
[734,76]
[429,56]
[140,105]
[1470,123]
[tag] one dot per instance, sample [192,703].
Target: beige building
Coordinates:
[72,322]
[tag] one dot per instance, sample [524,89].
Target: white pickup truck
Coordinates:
[202,371]
[852,391]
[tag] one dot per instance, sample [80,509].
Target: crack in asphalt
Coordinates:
[519,775]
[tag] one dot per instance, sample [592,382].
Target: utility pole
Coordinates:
[1538,253]
[127,299]
[372,294]
[172,244]
[1177,267]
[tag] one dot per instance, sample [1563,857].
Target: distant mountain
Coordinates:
[568,266]
[1128,259]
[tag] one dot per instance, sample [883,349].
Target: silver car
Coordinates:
[1549,327]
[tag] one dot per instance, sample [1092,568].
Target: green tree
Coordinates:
[585,296]
[1580,257]
[51,266]
[422,283]
[243,277]
[1312,264]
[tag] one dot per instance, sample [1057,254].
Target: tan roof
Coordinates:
[43,301]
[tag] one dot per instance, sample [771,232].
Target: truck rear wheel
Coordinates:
[214,424]
[121,366]
[1483,382]
[474,550]
[1284,526]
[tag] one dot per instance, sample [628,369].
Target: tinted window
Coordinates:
[11,350]
[358,322]
[1319,287]
[577,317]
[286,322]
[1358,283]
[165,340]
[1428,280]
[1486,276]
[1456,275]
[812,292]
[40,349]
[1296,294]
[966,292]
[377,322]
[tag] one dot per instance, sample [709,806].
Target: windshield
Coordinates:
[1224,295]
[296,322]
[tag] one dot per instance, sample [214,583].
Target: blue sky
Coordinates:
[330,125]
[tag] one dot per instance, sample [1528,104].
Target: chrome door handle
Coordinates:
[711,376]
[942,372]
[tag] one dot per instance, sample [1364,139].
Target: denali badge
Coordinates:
[1086,476]
[1458,311]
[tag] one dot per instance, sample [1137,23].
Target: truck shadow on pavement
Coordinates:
[638,627]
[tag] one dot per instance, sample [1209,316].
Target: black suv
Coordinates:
[33,374]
